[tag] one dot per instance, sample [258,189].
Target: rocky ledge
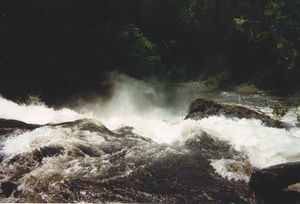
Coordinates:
[202,108]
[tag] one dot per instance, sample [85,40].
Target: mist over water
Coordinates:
[139,105]
[157,112]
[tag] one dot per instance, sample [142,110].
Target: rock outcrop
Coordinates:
[272,184]
[9,126]
[202,108]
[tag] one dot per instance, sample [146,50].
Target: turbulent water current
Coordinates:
[135,146]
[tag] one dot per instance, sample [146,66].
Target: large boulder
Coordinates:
[202,108]
[273,184]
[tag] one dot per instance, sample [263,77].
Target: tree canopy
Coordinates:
[54,48]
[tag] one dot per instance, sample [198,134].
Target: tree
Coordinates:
[140,55]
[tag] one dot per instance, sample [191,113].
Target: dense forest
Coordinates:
[56,48]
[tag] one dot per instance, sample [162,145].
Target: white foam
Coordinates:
[135,104]
[230,169]
[35,113]
[265,146]
[49,136]
[291,116]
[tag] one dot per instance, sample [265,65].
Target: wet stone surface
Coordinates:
[202,108]
[125,167]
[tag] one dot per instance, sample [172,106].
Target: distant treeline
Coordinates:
[55,48]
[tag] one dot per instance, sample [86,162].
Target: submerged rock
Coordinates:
[202,108]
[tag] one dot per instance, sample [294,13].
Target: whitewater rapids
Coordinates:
[136,104]
[153,127]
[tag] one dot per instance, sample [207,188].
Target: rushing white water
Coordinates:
[49,136]
[230,169]
[137,104]
[265,146]
[35,113]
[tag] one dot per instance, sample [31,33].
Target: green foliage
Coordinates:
[141,54]
[34,100]
[278,110]
[186,15]
[276,22]
[240,23]
[256,41]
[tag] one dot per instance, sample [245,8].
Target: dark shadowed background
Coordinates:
[60,48]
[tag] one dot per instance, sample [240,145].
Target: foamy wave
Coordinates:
[265,146]
[35,113]
[291,117]
[231,169]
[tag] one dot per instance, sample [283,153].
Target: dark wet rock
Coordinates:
[47,151]
[4,123]
[38,154]
[214,149]
[9,126]
[174,179]
[271,184]
[85,124]
[211,147]
[16,167]
[84,150]
[7,188]
[128,131]
[202,108]
[188,178]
